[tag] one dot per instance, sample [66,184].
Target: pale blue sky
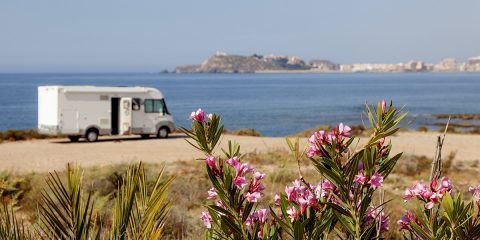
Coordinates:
[111,36]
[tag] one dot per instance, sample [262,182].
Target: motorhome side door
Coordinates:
[125,116]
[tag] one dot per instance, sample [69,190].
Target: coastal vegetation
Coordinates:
[325,189]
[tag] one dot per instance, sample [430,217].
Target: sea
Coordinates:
[273,104]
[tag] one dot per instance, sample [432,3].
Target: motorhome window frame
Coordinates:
[162,103]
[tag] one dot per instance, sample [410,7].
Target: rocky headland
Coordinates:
[225,63]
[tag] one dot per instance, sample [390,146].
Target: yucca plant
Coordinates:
[138,213]
[65,209]
[10,226]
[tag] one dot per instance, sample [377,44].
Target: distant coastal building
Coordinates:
[446,65]
[221,62]
[324,65]
[473,64]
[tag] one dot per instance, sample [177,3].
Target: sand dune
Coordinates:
[53,154]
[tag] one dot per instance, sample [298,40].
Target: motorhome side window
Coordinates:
[136,104]
[154,106]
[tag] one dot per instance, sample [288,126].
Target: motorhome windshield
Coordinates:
[155,106]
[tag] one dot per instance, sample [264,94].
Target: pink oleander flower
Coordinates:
[430,196]
[240,168]
[360,178]
[408,195]
[212,162]
[253,197]
[212,194]
[210,116]
[405,222]
[198,116]
[313,151]
[257,176]
[220,204]
[262,215]
[292,213]
[303,205]
[251,219]
[376,181]
[476,194]
[206,219]
[384,106]
[376,215]
[291,193]
[240,182]
[445,185]
[344,130]
[277,199]
[381,142]
[327,188]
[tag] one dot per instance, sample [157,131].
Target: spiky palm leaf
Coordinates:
[10,227]
[140,214]
[65,212]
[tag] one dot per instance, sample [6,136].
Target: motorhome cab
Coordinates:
[89,111]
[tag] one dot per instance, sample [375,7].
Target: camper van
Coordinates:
[89,111]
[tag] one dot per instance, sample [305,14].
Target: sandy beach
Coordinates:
[53,154]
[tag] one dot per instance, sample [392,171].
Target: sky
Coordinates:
[149,36]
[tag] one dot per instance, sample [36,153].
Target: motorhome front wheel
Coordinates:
[162,133]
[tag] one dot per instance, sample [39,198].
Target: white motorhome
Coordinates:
[89,111]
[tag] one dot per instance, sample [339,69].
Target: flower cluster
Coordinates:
[375,181]
[319,139]
[255,187]
[259,217]
[305,197]
[377,216]
[430,195]
[199,116]
[476,194]
[405,222]
[206,219]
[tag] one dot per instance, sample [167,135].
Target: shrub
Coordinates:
[342,202]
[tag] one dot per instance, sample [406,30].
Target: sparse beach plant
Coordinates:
[68,211]
[441,213]
[232,211]
[341,202]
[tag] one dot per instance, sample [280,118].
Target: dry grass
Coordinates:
[188,191]
[244,132]
[21,135]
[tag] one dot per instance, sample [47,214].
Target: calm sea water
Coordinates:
[274,104]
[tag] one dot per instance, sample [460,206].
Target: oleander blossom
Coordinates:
[405,222]
[360,178]
[206,219]
[376,180]
[212,194]
[322,139]
[476,194]
[429,195]
[384,106]
[211,161]
[198,116]
[305,196]
[377,216]
[255,187]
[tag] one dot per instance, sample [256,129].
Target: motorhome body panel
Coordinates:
[79,109]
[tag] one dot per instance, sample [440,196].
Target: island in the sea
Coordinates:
[225,63]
